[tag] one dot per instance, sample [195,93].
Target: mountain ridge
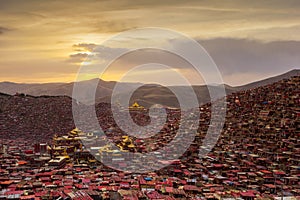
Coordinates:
[159,94]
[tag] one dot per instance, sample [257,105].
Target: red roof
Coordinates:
[6,182]
[169,189]
[22,162]
[190,188]
[68,187]
[177,170]
[28,197]
[247,194]
[124,185]
[154,195]
[270,185]
[266,172]
[218,165]
[186,172]
[14,192]
[279,173]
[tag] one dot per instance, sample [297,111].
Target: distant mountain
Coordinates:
[146,95]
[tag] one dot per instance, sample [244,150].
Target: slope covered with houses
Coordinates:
[257,155]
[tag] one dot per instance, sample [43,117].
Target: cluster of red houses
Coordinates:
[257,156]
[35,118]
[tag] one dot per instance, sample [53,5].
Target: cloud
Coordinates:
[99,51]
[85,46]
[244,58]
[113,26]
[252,57]
[3,29]
[77,58]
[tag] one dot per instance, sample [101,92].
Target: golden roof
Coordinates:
[135,105]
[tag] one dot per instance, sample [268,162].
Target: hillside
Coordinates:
[41,117]
[34,118]
[104,88]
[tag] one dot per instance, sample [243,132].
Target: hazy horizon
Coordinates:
[267,77]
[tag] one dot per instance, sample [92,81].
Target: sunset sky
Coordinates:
[45,41]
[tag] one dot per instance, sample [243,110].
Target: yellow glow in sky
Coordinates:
[38,38]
